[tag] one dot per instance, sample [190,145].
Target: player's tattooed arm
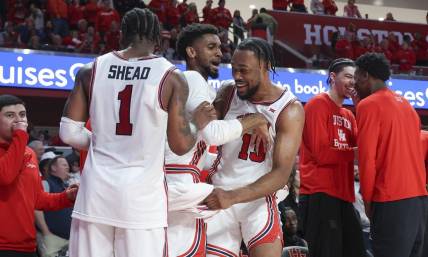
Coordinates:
[181,137]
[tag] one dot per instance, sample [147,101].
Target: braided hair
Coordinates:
[337,66]
[262,49]
[142,23]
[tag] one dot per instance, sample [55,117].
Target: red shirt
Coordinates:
[182,8]
[279,5]
[159,7]
[21,193]
[220,17]
[90,13]
[104,19]
[57,9]
[390,154]
[344,48]
[424,142]
[421,49]
[330,7]
[75,14]
[326,154]
[406,59]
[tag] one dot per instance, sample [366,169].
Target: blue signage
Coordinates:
[39,70]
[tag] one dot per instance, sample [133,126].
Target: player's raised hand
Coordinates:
[71,192]
[219,199]
[203,114]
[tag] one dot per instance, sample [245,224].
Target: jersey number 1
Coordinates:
[255,156]
[124,127]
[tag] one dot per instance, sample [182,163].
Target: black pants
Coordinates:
[398,227]
[16,254]
[331,227]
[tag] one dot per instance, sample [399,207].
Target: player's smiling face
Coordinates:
[247,72]
[208,54]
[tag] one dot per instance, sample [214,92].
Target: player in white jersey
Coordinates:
[199,44]
[247,177]
[134,100]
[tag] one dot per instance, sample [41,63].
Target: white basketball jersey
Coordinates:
[123,181]
[190,164]
[239,164]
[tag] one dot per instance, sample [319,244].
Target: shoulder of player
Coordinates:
[316,102]
[85,72]
[293,113]
[226,89]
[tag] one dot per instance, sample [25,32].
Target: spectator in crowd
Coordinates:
[207,10]
[159,7]
[59,222]
[351,10]
[420,46]
[238,27]
[427,17]
[392,173]
[9,36]
[226,47]
[38,148]
[317,7]
[91,10]
[38,18]
[17,11]
[20,179]
[191,15]
[259,29]
[343,47]
[58,13]
[389,17]
[327,169]
[289,227]
[271,23]
[330,7]
[393,44]
[122,6]
[220,16]
[406,58]
[90,42]
[280,5]
[384,49]
[172,16]
[73,160]
[359,206]
[112,38]
[105,16]
[297,6]
[75,13]
[254,15]
[182,7]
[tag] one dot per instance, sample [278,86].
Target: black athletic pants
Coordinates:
[331,226]
[16,254]
[397,227]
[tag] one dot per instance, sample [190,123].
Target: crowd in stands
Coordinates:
[405,55]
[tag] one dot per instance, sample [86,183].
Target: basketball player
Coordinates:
[199,44]
[134,100]
[392,172]
[330,223]
[246,176]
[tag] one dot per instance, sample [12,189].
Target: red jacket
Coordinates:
[389,148]
[104,19]
[326,154]
[406,59]
[220,17]
[424,142]
[330,7]
[21,193]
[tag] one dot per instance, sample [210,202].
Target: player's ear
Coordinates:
[190,51]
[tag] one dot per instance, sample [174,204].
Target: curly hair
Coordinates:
[375,64]
[261,48]
[190,34]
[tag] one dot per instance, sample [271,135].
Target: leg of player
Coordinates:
[267,250]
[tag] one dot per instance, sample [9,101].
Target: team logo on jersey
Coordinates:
[342,135]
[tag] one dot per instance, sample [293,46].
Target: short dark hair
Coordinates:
[6,100]
[375,64]
[261,48]
[190,33]
[337,66]
[142,23]
[263,10]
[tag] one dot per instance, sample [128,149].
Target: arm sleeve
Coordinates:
[368,134]
[74,133]
[219,132]
[11,161]
[316,137]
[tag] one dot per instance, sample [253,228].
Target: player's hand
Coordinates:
[20,125]
[219,199]
[71,192]
[354,96]
[261,138]
[203,114]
